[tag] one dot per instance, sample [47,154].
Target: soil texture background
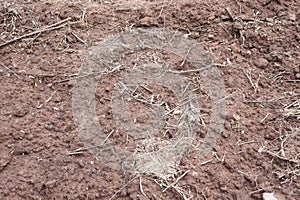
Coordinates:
[255,45]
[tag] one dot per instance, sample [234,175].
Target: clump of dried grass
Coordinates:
[285,153]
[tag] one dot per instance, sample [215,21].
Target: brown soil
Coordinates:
[255,45]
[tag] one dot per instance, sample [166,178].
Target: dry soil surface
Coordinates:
[254,44]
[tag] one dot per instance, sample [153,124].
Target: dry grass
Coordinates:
[285,153]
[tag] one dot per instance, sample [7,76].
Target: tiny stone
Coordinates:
[223,188]
[211,36]
[195,35]
[235,48]
[239,58]
[29,137]
[270,136]
[148,21]
[261,62]
[269,196]
[270,20]
[292,16]
[225,134]
[238,26]
[246,54]
[81,164]
[236,117]
[20,112]
[50,183]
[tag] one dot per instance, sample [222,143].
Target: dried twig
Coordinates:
[141,187]
[75,76]
[176,181]
[207,161]
[78,38]
[10,70]
[80,150]
[228,10]
[185,57]
[190,71]
[124,186]
[261,189]
[47,28]
[249,76]
[277,156]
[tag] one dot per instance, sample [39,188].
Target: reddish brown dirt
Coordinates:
[37,129]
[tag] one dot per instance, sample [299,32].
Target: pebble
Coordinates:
[292,17]
[81,163]
[20,112]
[50,183]
[148,21]
[211,36]
[261,62]
[269,196]
[5,159]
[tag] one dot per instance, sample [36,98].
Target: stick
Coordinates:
[47,28]
[261,189]
[280,157]
[80,150]
[205,162]
[186,56]
[190,71]
[75,76]
[78,38]
[176,181]
[248,75]
[124,186]
[10,70]
[141,187]
[230,13]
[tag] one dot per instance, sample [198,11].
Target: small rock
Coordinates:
[236,117]
[50,183]
[20,150]
[246,53]
[225,134]
[81,163]
[57,99]
[20,111]
[261,62]
[239,58]
[239,195]
[270,135]
[223,188]
[238,26]
[148,21]
[270,20]
[29,137]
[224,17]
[298,76]
[234,48]
[292,16]
[210,36]
[195,35]
[269,196]
[297,35]
[227,126]
[5,158]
